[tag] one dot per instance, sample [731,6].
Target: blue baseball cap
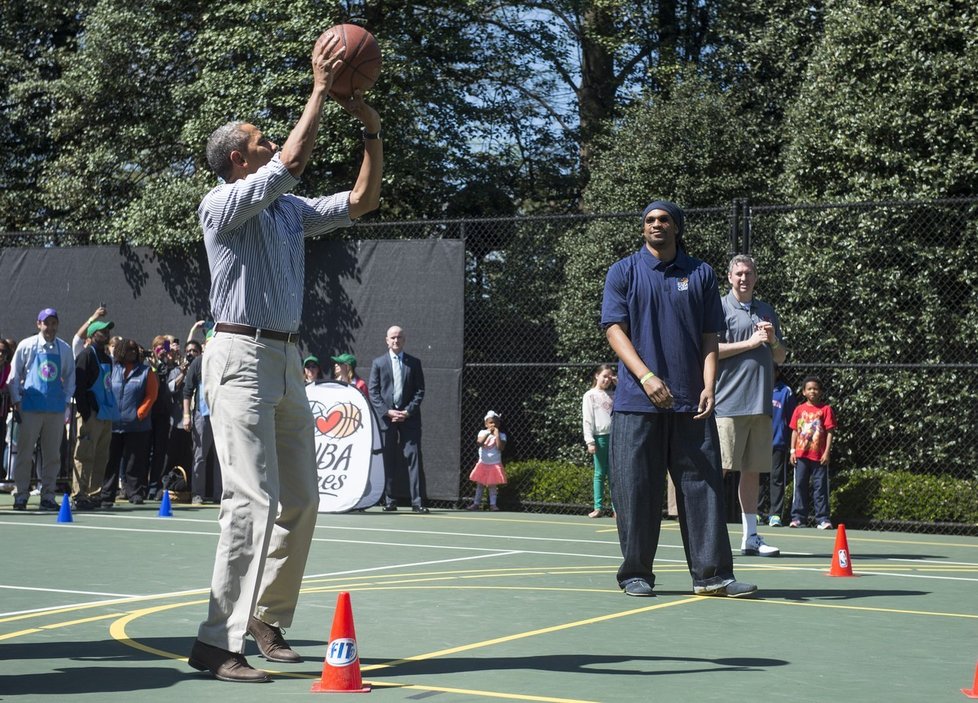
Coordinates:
[46,313]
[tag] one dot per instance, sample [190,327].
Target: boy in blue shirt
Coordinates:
[782,406]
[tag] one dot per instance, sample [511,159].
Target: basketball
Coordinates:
[361,61]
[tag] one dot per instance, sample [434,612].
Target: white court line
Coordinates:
[435,533]
[202,591]
[65,590]
[857,572]
[402,566]
[934,561]
[76,526]
[481,549]
[355,528]
[113,601]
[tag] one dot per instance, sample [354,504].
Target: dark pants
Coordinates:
[180,450]
[642,446]
[128,455]
[779,474]
[402,449]
[205,479]
[159,443]
[4,469]
[811,472]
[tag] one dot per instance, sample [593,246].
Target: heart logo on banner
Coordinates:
[325,424]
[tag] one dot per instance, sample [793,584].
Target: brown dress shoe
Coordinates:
[224,665]
[270,642]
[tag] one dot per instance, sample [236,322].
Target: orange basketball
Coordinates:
[361,61]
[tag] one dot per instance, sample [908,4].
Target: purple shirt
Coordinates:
[667,307]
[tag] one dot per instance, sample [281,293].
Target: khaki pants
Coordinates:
[263,434]
[91,455]
[50,427]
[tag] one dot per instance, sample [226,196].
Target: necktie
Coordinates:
[398,378]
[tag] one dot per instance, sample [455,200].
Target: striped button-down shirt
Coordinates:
[253,233]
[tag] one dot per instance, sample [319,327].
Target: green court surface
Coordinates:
[460,607]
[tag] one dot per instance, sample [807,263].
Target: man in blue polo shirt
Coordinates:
[661,313]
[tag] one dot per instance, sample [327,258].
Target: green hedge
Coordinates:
[539,481]
[876,494]
[857,496]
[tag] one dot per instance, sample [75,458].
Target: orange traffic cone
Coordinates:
[841,563]
[973,691]
[341,667]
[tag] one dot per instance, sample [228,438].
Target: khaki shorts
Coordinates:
[745,443]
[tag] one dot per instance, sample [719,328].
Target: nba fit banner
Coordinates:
[349,453]
[355,290]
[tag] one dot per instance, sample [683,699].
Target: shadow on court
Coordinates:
[614,665]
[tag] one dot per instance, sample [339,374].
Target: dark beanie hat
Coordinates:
[674,211]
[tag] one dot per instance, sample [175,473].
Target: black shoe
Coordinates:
[638,587]
[390,508]
[48,504]
[20,503]
[107,504]
[224,665]
[136,499]
[83,503]
[421,510]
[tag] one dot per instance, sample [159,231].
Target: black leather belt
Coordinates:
[255,333]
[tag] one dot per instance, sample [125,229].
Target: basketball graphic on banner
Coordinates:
[349,460]
[339,421]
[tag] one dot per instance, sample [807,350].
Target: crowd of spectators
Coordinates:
[136,412]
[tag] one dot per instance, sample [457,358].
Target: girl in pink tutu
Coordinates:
[488,470]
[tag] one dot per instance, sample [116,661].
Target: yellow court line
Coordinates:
[117,630]
[861,566]
[506,571]
[486,694]
[860,608]
[56,626]
[533,633]
[880,540]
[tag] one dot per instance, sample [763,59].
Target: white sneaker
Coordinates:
[754,546]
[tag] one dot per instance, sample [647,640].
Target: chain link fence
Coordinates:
[877,299]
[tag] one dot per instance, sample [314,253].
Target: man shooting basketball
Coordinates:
[252,374]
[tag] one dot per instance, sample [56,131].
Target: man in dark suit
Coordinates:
[396,391]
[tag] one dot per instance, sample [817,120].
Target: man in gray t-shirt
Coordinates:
[749,347]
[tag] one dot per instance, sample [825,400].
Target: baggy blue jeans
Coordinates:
[643,447]
[811,472]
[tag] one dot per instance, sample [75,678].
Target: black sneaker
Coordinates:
[48,504]
[20,503]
